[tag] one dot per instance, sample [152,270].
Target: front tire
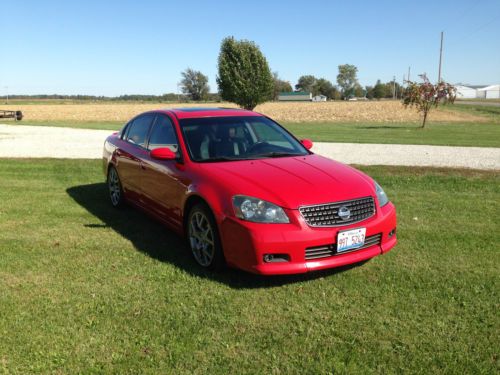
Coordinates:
[115,188]
[203,238]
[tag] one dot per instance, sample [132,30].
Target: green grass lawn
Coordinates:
[489,111]
[89,289]
[484,134]
[444,134]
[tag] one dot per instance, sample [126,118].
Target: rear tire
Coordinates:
[203,238]
[115,188]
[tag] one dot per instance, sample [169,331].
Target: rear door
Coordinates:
[131,150]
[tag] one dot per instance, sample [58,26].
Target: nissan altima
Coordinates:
[246,193]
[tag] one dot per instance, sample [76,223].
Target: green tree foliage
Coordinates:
[306,83]
[317,86]
[384,90]
[194,84]
[379,90]
[280,86]
[244,75]
[389,90]
[347,79]
[358,90]
[325,87]
[424,96]
[369,92]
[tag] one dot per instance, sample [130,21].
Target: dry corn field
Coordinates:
[383,111]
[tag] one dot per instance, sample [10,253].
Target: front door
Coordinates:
[164,181]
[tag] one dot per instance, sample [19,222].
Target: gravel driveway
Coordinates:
[52,142]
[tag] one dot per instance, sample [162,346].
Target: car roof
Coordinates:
[197,112]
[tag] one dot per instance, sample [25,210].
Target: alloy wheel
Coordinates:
[115,192]
[201,238]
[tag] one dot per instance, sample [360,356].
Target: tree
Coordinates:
[379,90]
[280,86]
[324,87]
[358,90]
[347,79]
[425,96]
[244,75]
[369,92]
[306,83]
[194,84]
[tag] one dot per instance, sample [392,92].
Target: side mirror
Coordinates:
[163,153]
[307,143]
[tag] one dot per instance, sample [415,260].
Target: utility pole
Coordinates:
[408,73]
[440,57]
[7,91]
[394,87]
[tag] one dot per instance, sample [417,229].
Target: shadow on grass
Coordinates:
[152,238]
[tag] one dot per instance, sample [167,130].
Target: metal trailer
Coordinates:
[16,115]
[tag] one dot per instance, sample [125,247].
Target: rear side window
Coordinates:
[139,129]
[163,135]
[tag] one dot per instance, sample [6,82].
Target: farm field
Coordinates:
[357,122]
[88,289]
[297,112]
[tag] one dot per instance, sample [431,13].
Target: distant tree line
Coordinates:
[384,90]
[244,78]
[168,97]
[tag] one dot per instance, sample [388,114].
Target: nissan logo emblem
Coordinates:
[344,213]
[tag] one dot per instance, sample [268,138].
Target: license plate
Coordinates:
[350,239]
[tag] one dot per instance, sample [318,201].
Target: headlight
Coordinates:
[381,196]
[257,210]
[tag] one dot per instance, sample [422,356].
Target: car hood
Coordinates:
[291,182]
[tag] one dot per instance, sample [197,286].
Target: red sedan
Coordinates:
[246,193]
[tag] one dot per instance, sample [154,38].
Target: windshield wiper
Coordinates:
[277,154]
[219,158]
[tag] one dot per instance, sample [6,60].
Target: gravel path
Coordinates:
[51,142]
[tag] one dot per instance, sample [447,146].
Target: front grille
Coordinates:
[327,215]
[326,251]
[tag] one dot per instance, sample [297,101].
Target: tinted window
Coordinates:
[163,134]
[139,129]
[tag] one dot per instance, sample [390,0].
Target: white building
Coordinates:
[466,92]
[319,98]
[478,91]
[489,92]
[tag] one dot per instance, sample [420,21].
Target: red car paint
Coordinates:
[163,188]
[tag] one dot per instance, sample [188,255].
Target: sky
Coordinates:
[122,47]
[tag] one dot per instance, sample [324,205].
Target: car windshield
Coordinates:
[213,139]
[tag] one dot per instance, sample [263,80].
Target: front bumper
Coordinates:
[245,244]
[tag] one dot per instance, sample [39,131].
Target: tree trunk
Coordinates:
[425,119]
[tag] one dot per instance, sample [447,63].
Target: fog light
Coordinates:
[268,258]
[392,232]
[276,258]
